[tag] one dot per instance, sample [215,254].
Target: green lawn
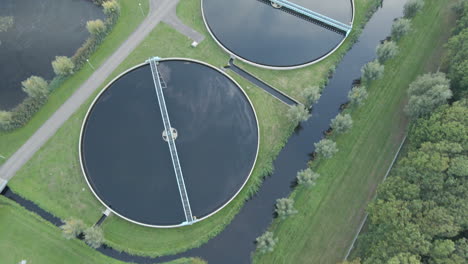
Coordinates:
[26,236]
[53,180]
[330,213]
[130,18]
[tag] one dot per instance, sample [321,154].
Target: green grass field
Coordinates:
[26,236]
[52,178]
[130,18]
[330,213]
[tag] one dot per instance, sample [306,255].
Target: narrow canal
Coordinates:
[236,243]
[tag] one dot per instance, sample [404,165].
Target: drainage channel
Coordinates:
[254,80]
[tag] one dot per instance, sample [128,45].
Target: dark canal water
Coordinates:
[257,32]
[42,29]
[128,163]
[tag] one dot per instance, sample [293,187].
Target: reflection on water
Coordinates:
[41,30]
[128,163]
[262,34]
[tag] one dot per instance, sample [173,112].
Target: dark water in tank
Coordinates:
[128,163]
[42,29]
[259,33]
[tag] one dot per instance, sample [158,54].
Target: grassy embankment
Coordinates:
[330,212]
[26,236]
[54,181]
[130,18]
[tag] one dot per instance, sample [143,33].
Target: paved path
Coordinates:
[158,9]
[173,20]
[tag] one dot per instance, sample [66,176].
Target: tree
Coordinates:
[5,119]
[307,177]
[266,242]
[72,228]
[6,22]
[357,95]
[386,51]
[458,64]
[311,94]
[35,86]
[94,236]
[426,93]
[354,261]
[326,148]
[63,66]
[404,258]
[400,28]
[298,113]
[412,7]
[372,71]
[111,8]
[285,207]
[96,27]
[342,123]
[458,165]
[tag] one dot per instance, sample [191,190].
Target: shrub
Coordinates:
[342,123]
[386,51]
[326,148]
[285,207]
[311,94]
[298,113]
[35,86]
[307,177]
[426,93]
[72,228]
[266,242]
[63,66]
[357,95]
[400,28]
[412,7]
[96,27]
[94,236]
[6,22]
[23,112]
[111,8]
[5,119]
[372,71]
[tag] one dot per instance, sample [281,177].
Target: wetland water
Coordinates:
[42,29]
[128,163]
[259,33]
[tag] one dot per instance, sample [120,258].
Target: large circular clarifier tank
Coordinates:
[278,38]
[128,164]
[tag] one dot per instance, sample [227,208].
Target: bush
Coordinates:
[35,86]
[386,51]
[5,119]
[342,123]
[96,27]
[412,7]
[111,8]
[357,95]
[400,28]
[426,93]
[311,94]
[94,237]
[372,71]
[72,228]
[298,113]
[326,148]
[307,177]
[22,113]
[63,66]
[266,242]
[285,207]
[6,22]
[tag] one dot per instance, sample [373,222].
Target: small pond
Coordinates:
[41,30]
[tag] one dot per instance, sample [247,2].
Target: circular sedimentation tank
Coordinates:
[126,160]
[264,34]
